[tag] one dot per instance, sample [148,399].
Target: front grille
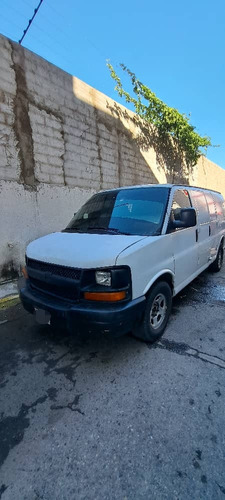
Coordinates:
[61,292]
[66,288]
[57,270]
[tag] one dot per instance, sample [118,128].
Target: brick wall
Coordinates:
[60,141]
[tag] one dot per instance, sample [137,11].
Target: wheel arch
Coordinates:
[165,275]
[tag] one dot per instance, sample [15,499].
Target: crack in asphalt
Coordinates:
[71,406]
[186,350]
[67,370]
[52,362]
[221,488]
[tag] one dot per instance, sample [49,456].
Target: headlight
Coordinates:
[103,278]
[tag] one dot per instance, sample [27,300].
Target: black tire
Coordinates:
[215,267]
[147,330]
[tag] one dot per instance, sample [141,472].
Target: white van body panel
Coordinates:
[174,254]
[205,237]
[203,219]
[214,236]
[80,250]
[185,255]
[220,217]
[148,259]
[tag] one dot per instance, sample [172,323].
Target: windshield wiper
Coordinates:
[117,231]
[112,230]
[72,230]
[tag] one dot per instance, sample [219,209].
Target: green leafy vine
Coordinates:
[168,121]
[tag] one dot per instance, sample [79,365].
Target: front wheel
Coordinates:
[217,264]
[156,314]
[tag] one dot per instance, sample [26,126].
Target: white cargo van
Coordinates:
[123,256]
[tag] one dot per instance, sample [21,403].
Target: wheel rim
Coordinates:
[158,311]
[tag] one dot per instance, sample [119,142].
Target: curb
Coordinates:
[11,300]
[10,297]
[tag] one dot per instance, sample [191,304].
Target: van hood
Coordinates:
[80,249]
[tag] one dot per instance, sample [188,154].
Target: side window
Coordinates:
[219,205]
[200,205]
[181,199]
[223,208]
[211,206]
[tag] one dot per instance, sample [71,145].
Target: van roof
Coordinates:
[160,185]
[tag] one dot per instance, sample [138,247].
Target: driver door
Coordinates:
[183,242]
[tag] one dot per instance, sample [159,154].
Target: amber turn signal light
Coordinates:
[24,272]
[105,296]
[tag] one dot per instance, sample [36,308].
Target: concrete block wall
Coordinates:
[60,141]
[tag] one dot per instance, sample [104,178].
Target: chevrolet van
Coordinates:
[123,256]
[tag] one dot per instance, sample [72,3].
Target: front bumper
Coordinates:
[115,319]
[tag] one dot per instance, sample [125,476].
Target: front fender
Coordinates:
[156,277]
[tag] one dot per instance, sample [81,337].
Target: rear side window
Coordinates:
[223,208]
[199,203]
[219,205]
[211,206]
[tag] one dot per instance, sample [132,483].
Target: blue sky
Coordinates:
[175,47]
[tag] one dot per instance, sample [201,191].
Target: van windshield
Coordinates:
[135,211]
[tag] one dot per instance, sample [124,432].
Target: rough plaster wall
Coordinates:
[26,215]
[60,141]
[9,164]
[210,176]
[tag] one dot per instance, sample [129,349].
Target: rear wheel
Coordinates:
[156,314]
[217,264]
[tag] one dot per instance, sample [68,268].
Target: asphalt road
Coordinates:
[102,418]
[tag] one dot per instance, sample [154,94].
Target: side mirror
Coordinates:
[187,218]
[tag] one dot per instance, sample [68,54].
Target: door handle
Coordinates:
[196,234]
[209,230]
